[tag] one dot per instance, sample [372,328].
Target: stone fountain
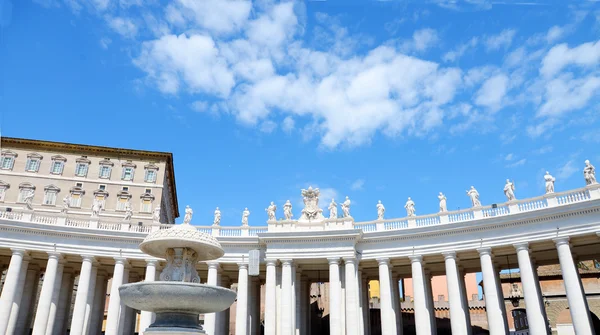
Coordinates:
[178,298]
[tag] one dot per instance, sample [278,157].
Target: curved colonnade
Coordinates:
[531,232]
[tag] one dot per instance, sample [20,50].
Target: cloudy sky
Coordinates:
[377,100]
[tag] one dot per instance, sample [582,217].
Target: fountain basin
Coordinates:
[178,297]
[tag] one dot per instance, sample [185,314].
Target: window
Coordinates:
[122,200]
[58,164]
[25,190]
[125,188]
[127,173]
[50,195]
[77,194]
[82,167]
[105,168]
[8,159]
[3,187]
[146,202]
[102,187]
[151,173]
[33,162]
[148,190]
[78,184]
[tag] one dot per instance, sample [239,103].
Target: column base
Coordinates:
[173,331]
[175,323]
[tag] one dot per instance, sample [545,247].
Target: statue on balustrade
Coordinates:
[346,207]
[443,207]
[332,209]
[66,204]
[96,208]
[287,210]
[509,190]
[380,210]
[271,211]
[311,210]
[410,207]
[29,199]
[156,214]
[589,173]
[474,195]
[128,212]
[217,220]
[188,215]
[549,183]
[245,215]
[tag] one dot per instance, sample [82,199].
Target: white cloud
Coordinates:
[288,124]
[105,42]
[457,53]
[567,170]
[268,126]
[216,16]
[502,40]
[517,163]
[327,194]
[555,33]
[422,40]
[122,25]
[492,92]
[357,185]
[200,106]
[509,157]
[566,93]
[585,55]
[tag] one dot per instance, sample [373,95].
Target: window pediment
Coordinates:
[9,153]
[100,192]
[106,162]
[83,160]
[147,196]
[59,158]
[51,187]
[27,185]
[4,184]
[151,166]
[124,194]
[77,189]
[129,164]
[34,155]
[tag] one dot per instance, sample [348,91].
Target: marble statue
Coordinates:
[332,209]
[380,210]
[287,210]
[66,204]
[589,173]
[156,214]
[549,183]
[474,195]
[311,210]
[443,207]
[188,215]
[96,208]
[28,200]
[346,207]
[271,211]
[245,215]
[128,212]
[509,190]
[217,220]
[410,207]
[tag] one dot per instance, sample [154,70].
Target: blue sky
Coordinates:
[377,100]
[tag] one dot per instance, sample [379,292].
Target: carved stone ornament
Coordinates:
[311,210]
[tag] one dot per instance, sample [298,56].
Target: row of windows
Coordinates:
[76,194]
[81,168]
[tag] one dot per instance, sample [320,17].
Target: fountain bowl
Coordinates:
[176,297]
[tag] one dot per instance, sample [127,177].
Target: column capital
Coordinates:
[561,240]
[351,260]
[56,255]
[120,260]
[450,255]
[416,259]
[485,251]
[151,262]
[88,258]
[271,262]
[20,252]
[521,246]
[383,261]
[242,266]
[333,260]
[213,265]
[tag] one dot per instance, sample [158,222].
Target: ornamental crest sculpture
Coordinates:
[311,210]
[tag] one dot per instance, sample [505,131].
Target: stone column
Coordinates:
[83,287]
[366,305]
[241,314]
[296,299]
[351,294]
[114,302]
[458,321]
[335,297]
[97,316]
[422,315]
[430,306]
[575,294]
[304,304]
[388,316]
[535,315]
[22,311]
[55,298]
[210,319]
[286,297]
[11,285]
[222,327]
[45,300]
[125,310]
[343,298]
[64,302]
[146,317]
[361,310]
[89,305]
[465,299]
[278,292]
[396,304]
[271,298]
[254,306]
[493,303]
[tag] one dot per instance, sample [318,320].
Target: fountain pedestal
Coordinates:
[177,298]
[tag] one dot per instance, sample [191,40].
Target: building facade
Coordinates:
[312,274]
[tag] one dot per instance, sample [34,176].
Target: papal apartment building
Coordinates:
[64,177]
